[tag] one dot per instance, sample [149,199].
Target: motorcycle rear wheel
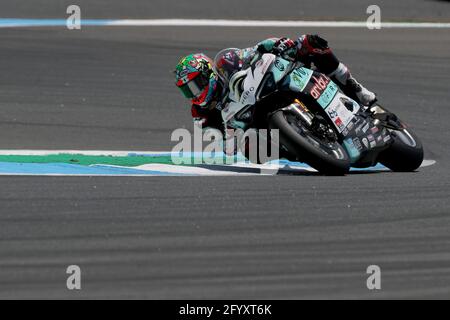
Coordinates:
[405,154]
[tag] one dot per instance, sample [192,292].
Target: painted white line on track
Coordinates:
[269,23]
[64,167]
[34,23]
[79,152]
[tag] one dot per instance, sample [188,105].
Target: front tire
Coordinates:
[328,158]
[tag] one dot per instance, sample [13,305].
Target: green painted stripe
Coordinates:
[86,160]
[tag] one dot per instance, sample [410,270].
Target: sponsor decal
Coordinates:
[328,95]
[297,80]
[365,142]
[350,126]
[279,65]
[301,77]
[357,144]
[372,141]
[359,124]
[320,84]
[338,122]
[387,138]
[183,73]
[365,128]
[246,94]
[332,113]
[331,102]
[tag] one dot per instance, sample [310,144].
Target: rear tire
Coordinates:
[327,158]
[405,154]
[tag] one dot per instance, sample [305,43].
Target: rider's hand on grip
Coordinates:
[283,45]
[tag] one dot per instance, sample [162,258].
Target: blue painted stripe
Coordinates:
[241,158]
[378,167]
[282,162]
[73,169]
[51,22]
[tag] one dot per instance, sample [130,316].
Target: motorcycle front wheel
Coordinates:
[327,157]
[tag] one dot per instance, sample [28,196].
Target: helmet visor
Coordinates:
[193,89]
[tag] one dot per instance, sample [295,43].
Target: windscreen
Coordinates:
[227,62]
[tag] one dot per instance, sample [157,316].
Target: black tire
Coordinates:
[405,154]
[329,158]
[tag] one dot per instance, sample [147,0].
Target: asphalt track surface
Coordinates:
[410,10]
[289,237]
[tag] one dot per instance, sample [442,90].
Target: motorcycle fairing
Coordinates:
[247,85]
[245,93]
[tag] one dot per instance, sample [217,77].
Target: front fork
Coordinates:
[299,109]
[313,122]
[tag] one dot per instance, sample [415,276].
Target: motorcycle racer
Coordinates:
[199,82]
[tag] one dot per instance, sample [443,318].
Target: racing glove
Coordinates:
[285,48]
[283,45]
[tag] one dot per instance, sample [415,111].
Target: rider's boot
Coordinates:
[353,87]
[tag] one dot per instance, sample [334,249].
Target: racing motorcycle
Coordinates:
[318,123]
